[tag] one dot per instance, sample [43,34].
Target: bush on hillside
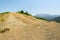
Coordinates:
[42,18]
[22,12]
[27,13]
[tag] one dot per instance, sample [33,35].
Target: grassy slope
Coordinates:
[23,27]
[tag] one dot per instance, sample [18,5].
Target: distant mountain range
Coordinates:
[48,17]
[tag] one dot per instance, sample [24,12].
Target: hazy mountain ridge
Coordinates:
[57,19]
[46,16]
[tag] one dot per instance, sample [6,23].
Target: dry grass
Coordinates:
[22,27]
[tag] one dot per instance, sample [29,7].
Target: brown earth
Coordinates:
[23,27]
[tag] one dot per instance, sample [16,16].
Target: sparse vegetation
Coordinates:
[4,30]
[2,20]
[4,12]
[27,13]
[22,12]
[41,18]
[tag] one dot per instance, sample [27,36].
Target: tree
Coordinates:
[21,11]
[27,13]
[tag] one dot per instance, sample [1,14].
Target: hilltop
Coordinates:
[18,26]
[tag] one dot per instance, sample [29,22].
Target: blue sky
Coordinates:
[32,6]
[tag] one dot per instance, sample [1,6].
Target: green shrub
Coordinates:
[22,12]
[27,13]
[42,18]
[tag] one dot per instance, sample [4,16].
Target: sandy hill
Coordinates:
[15,26]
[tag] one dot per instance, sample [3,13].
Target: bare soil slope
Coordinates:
[23,27]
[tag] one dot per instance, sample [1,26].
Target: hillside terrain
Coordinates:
[57,19]
[18,26]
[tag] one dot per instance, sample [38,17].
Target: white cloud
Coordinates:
[52,12]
